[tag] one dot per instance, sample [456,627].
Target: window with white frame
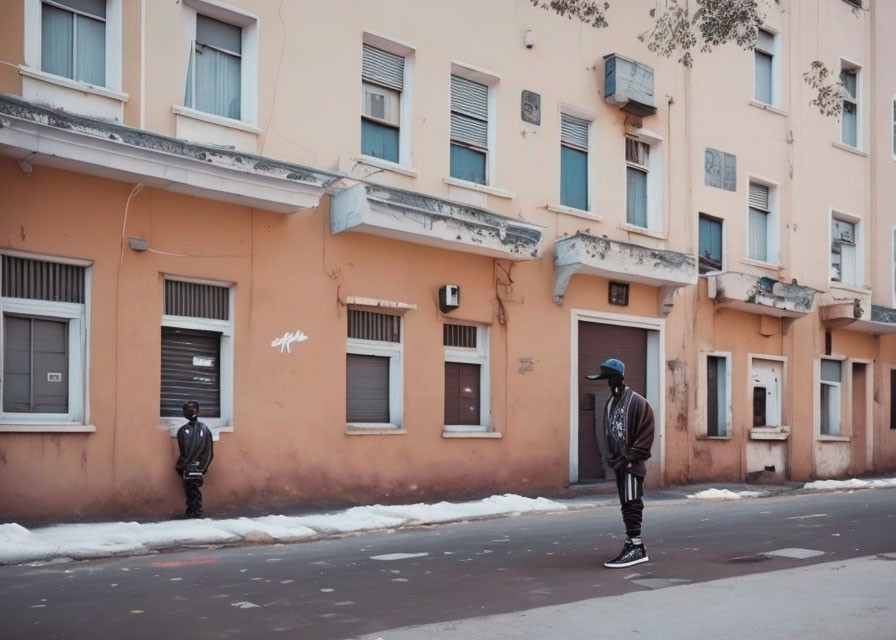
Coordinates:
[718,389]
[574,161]
[373,369]
[893,148]
[761,224]
[846,260]
[849,119]
[382,103]
[710,240]
[765,83]
[637,171]
[466,377]
[894,267]
[214,77]
[43,305]
[73,39]
[766,377]
[197,350]
[470,132]
[829,394]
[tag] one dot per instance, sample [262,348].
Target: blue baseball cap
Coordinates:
[611,368]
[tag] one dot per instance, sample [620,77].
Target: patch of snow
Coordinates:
[852,483]
[724,494]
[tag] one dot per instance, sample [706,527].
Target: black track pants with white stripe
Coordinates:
[631,489]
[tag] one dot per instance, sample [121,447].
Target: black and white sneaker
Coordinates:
[630,555]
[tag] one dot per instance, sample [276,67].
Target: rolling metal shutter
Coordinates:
[462,393]
[191,370]
[383,67]
[469,112]
[35,365]
[759,196]
[574,131]
[366,388]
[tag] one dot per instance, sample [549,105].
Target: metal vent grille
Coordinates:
[194,300]
[369,325]
[469,111]
[459,335]
[40,280]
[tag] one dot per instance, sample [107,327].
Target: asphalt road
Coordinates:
[346,587]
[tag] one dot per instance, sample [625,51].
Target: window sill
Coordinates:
[767,107]
[172,428]
[854,150]
[572,211]
[47,428]
[374,430]
[68,83]
[833,284]
[825,438]
[473,186]
[494,435]
[705,437]
[770,433]
[759,263]
[659,235]
[388,166]
[211,118]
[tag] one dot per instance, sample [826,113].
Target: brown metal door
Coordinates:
[597,342]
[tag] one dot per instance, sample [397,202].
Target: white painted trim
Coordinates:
[475,186]
[852,150]
[782,386]
[572,211]
[388,166]
[211,118]
[858,69]
[655,222]
[591,165]
[491,80]
[142,64]
[31,255]
[47,427]
[406,100]
[373,429]
[361,301]
[226,328]
[817,398]
[776,72]
[858,286]
[490,435]
[630,228]
[655,375]
[481,356]
[767,107]
[773,231]
[68,83]
[703,398]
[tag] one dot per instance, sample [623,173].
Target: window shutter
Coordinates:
[759,196]
[459,335]
[39,280]
[574,131]
[765,41]
[191,370]
[469,111]
[194,300]
[462,393]
[369,325]
[383,67]
[366,388]
[218,34]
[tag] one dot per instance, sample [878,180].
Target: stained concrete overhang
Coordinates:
[423,219]
[54,138]
[853,316]
[621,261]
[760,295]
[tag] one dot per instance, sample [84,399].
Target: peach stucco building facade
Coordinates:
[382,242]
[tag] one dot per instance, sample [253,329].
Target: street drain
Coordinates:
[746,559]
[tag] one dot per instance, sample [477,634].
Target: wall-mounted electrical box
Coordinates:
[449,297]
[629,84]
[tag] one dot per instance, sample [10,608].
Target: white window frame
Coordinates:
[773,233]
[491,80]
[856,68]
[752,358]
[582,114]
[225,327]
[480,356]
[78,316]
[839,386]
[893,269]
[405,100]
[776,67]
[654,180]
[395,352]
[248,23]
[893,129]
[703,381]
[838,214]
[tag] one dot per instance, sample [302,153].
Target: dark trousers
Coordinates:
[631,489]
[194,497]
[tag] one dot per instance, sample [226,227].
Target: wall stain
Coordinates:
[525,365]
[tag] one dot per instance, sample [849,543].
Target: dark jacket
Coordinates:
[639,428]
[194,440]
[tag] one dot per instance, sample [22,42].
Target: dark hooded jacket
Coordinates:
[639,428]
[194,440]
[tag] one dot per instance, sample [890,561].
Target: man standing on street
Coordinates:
[628,428]
[194,442]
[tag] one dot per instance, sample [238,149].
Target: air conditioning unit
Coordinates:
[380,103]
[629,84]
[449,297]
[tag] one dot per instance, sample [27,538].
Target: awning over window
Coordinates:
[422,219]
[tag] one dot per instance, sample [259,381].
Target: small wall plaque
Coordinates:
[530,109]
[619,294]
[720,169]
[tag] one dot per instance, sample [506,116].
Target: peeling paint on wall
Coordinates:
[525,365]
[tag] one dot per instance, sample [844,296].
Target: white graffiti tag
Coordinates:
[285,341]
